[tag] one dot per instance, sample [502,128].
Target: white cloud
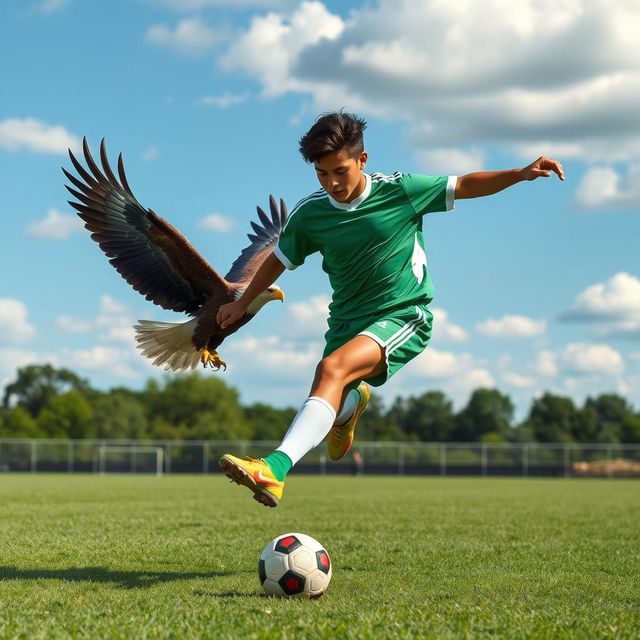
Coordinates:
[225,100]
[114,360]
[271,47]
[445,331]
[68,324]
[273,355]
[617,298]
[17,134]
[150,153]
[308,318]
[546,364]
[462,368]
[614,305]
[216,222]
[14,325]
[512,327]
[113,321]
[110,306]
[46,7]
[191,36]
[193,5]
[446,161]
[605,188]
[515,74]
[55,226]
[516,380]
[591,359]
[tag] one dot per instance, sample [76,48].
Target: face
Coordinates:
[341,176]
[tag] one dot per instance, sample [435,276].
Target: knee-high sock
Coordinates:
[349,406]
[308,429]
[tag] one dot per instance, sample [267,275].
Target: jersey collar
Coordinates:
[354,204]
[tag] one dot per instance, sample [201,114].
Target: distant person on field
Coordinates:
[368,229]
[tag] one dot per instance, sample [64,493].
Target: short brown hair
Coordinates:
[332,132]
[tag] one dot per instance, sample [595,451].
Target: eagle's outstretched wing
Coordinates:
[262,242]
[147,251]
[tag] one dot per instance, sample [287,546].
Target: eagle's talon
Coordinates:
[212,359]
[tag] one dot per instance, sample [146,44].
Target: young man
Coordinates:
[368,229]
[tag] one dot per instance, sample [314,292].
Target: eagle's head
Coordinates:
[273,292]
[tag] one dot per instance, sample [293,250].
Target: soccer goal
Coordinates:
[129,459]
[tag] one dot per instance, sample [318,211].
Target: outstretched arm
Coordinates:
[270,270]
[484,183]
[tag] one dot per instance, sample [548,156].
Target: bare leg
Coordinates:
[361,357]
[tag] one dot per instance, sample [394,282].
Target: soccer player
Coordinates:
[368,229]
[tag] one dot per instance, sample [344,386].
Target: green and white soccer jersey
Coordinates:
[373,252]
[372,248]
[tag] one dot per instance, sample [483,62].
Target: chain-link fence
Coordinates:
[402,458]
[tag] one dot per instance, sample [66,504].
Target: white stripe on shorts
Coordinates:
[405,333]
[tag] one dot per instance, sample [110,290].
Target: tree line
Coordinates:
[48,402]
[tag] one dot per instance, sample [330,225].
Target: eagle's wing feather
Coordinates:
[262,244]
[148,252]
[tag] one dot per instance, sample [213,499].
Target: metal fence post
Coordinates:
[484,459]
[443,459]
[34,455]
[525,460]
[566,461]
[70,457]
[205,457]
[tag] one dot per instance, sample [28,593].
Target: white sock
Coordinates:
[308,429]
[349,406]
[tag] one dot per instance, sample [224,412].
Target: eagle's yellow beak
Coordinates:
[278,294]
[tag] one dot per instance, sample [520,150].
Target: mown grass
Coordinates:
[175,557]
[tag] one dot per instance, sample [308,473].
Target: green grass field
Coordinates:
[176,557]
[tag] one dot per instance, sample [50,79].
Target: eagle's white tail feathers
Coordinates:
[168,344]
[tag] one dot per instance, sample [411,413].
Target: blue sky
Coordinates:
[537,288]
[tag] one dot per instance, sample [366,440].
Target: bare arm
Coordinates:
[484,183]
[270,270]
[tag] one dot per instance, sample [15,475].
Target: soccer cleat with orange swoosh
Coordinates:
[256,475]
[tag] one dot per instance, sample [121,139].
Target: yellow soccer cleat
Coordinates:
[341,436]
[256,475]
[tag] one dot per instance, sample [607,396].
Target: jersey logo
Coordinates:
[382,324]
[418,261]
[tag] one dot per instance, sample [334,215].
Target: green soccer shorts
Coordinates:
[402,333]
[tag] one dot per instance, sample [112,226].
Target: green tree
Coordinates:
[603,418]
[68,415]
[266,422]
[376,424]
[553,418]
[119,415]
[160,429]
[487,412]
[185,399]
[19,423]
[428,417]
[630,430]
[35,385]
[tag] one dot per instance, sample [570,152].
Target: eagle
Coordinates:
[161,264]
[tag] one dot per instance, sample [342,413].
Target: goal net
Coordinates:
[129,459]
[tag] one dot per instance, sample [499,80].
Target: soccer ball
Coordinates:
[294,564]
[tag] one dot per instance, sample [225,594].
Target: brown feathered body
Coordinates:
[161,264]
